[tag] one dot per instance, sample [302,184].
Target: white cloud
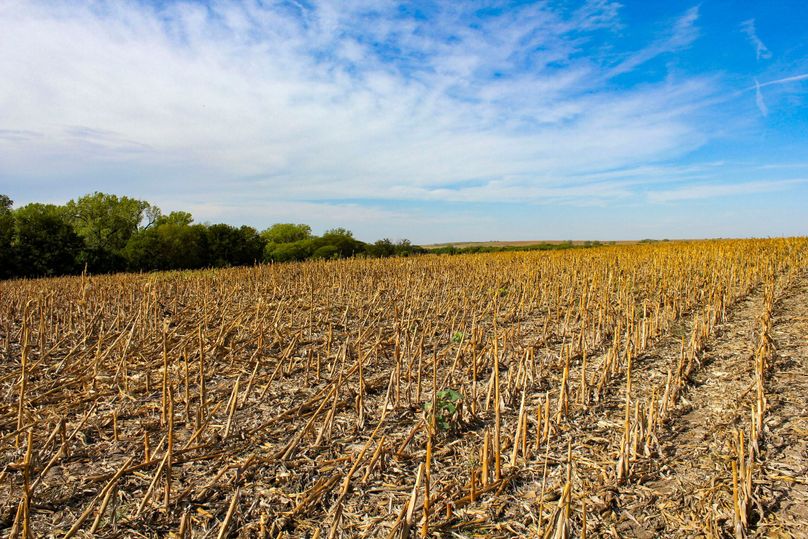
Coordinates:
[761,104]
[784,80]
[681,35]
[759,101]
[761,51]
[363,219]
[716,190]
[302,103]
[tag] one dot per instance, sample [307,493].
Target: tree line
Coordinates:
[106,233]
[475,249]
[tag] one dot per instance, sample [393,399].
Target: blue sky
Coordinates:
[434,121]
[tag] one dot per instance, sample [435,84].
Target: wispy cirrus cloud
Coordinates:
[761,104]
[761,51]
[716,190]
[352,97]
[760,101]
[682,33]
[310,106]
[784,80]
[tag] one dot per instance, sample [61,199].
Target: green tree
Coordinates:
[105,223]
[286,233]
[175,218]
[326,252]
[338,232]
[385,247]
[231,246]
[344,242]
[406,248]
[288,252]
[45,242]
[168,247]
[8,255]
[223,244]
[382,248]
[252,246]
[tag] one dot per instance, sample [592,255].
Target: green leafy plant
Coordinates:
[457,337]
[447,405]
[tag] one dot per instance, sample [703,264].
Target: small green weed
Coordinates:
[447,404]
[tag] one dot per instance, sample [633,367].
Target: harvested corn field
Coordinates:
[651,390]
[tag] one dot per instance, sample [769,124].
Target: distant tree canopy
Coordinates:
[385,247]
[231,246]
[474,249]
[168,246]
[334,243]
[107,233]
[44,242]
[106,223]
[174,218]
[286,233]
[8,257]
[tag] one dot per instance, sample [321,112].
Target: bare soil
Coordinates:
[786,464]
[688,491]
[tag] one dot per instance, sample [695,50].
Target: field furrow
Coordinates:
[683,492]
[785,467]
